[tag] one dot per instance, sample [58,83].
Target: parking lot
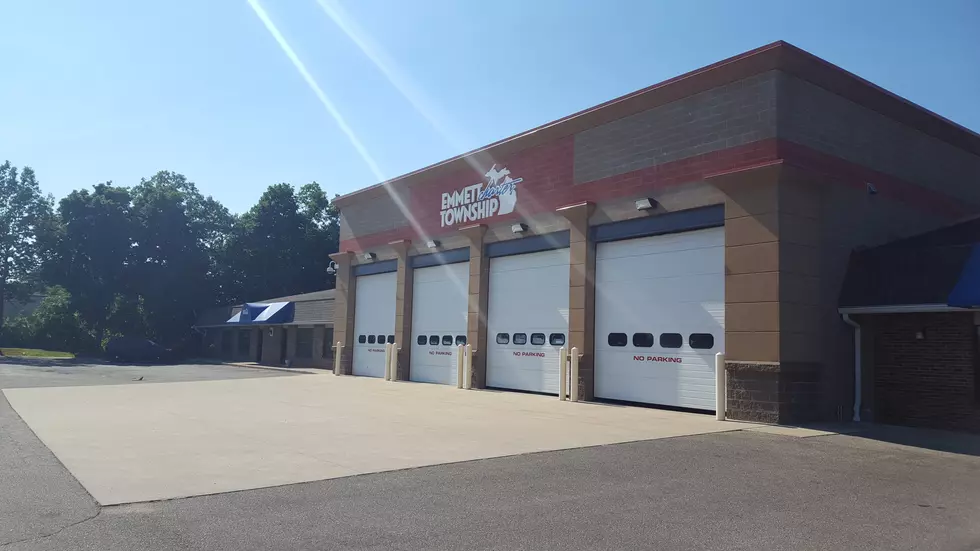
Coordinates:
[601,477]
[143,442]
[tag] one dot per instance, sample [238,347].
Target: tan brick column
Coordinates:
[403,309]
[343,314]
[581,293]
[479,287]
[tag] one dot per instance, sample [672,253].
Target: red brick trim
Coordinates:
[857,176]
[746,157]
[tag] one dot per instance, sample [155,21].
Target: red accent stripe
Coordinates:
[553,187]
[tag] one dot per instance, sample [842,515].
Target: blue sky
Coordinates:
[117,89]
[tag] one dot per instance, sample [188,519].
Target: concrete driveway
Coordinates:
[131,443]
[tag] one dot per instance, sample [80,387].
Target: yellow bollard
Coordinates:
[460,350]
[468,367]
[575,357]
[562,373]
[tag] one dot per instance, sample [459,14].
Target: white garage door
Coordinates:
[439,306]
[527,320]
[374,322]
[660,318]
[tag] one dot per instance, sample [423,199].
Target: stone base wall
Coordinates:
[784,393]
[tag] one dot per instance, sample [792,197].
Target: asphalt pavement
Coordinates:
[738,490]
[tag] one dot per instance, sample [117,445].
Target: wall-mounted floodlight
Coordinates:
[369,257]
[432,244]
[645,204]
[518,228]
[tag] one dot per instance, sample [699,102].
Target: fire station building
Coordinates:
[715,212]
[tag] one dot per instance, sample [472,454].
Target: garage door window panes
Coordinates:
[520,338]
[304,343]
[371,339]
[421,340]
[642,340]
[460,339]
[537,339]
[671,340]
[361,339]
[433,340]
[391,339]
[503,338]
[702,341]
[447,340]
[617,339]
[557,339]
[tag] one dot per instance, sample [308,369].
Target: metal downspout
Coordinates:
[857,365]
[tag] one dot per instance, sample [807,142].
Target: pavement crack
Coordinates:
[58,531]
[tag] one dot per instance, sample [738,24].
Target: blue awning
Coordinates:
[966,292]
[259,313]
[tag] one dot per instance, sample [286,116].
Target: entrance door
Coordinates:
[660,318]
[527,320]
[439,313]
[374,322]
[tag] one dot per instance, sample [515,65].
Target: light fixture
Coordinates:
[432,244]
[645,204]
[369,257]
[272,332]
[332,268]
[518,228]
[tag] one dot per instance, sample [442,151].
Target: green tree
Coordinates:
[23,210]
[175,231]
[91,253]
[281,246]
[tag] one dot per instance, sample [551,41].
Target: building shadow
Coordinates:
[930,439]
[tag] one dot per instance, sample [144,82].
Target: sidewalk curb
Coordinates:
[307,371]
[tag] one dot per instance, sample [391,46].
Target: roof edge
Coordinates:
[901,309]
[778,55]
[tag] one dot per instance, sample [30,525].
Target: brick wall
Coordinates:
[727,116]
[773,392]
[929,382]
[823,121]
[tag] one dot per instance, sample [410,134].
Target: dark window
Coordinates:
[328,342]
[244,342]
[361,339]
[433,340]
[447,340]
[617,339]
[642,340]
[381,339]
[304,343]
[520,338]
[371,339]
[557,339]
[671,340]
[703,341]
[537,339]
[503,338]
[391,339]
[226,337]
[422,340]
[460,339]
